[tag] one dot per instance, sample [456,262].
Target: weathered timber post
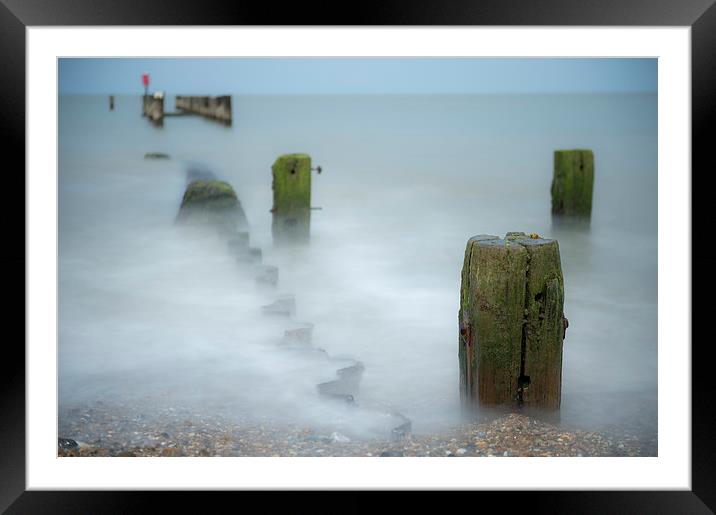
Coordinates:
[153,108]
[212,202]
[291,198]
[224,113]
[111,102]
[511,322]
[572,183]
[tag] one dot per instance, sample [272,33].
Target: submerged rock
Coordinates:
[212,202]
[156,155]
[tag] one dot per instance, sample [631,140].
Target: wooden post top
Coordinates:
[530,240]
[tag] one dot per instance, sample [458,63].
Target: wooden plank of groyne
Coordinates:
[573,182]
[215,108]
[511,322]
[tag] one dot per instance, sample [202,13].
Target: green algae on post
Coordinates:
[573,182]
[511,322]
[213,202]
[291,198]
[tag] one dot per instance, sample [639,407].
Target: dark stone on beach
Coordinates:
[67,443]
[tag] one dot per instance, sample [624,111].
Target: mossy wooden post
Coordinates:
[215,203]
[291,198]
[511,322]
[572,183]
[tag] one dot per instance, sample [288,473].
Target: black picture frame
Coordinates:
[16,15]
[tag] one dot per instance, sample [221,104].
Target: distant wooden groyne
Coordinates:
[215,108]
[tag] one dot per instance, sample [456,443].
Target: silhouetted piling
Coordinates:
[511,322]
[573,183]
[111,102]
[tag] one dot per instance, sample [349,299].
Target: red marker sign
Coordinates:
[145,79]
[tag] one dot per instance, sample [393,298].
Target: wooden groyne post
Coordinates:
[215,108]
[214,203]
[153,107]
[572,183]
[511,322]
[291,198]
[111,102]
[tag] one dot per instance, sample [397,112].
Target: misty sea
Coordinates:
[149,316]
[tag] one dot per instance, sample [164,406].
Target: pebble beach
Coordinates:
[110,430]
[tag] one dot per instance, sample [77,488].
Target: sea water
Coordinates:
[151,314]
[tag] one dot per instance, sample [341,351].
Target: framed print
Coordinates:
[444,249]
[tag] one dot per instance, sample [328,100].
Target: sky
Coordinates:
[215,76]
